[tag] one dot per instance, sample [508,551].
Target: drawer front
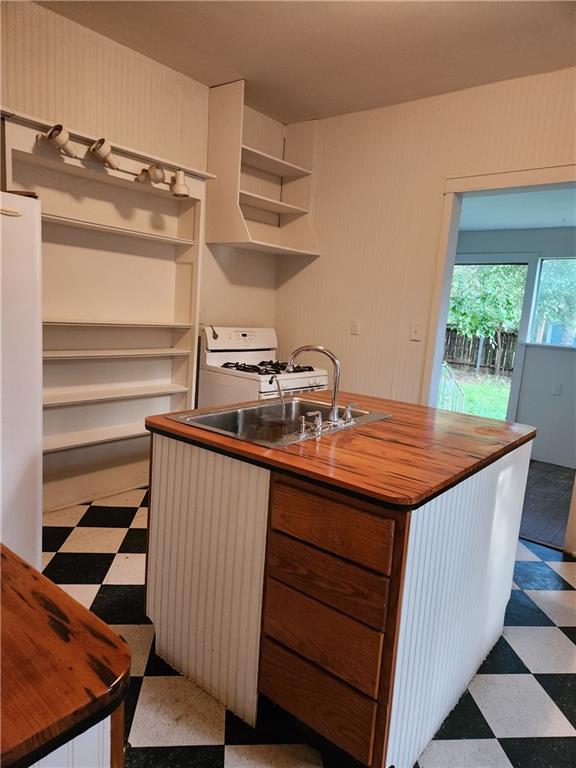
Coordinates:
[343,585]
[333,525]
[335,642]
[333,709]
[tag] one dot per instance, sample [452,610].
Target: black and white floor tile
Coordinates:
[518,712]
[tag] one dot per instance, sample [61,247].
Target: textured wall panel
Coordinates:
[57,70]
[461,552]
[377,204]
[263,132]
[205,568]
[89,750]
[238,287]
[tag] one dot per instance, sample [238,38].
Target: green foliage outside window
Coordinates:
[486,300]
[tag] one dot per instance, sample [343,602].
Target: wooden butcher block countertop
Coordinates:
[63,669]
[403,461]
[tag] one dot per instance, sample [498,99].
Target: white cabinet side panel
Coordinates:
[460,562]
[90,749]
[207,543]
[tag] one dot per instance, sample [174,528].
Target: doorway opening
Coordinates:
[506,346]
[481,337]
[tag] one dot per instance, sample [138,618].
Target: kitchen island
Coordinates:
[357,580]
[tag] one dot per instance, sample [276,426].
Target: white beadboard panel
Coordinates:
[206,568]
[262,132]
[460,561]
[377,199]
[238,287]
[90,749]
[57,70]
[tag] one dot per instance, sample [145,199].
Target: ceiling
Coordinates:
[303,60]
[533,208]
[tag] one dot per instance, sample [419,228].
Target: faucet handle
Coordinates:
[302,425]
[317,419]
[348,411]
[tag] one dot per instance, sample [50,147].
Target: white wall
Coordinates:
[238,287]
[55,69]
[545,369]
[377,205]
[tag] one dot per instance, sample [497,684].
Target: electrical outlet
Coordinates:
[415,331]
[557,390]
[355,327]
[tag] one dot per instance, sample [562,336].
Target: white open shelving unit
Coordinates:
[121,265]
[111,230]
[260,199]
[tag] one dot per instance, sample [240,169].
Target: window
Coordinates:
[554,319]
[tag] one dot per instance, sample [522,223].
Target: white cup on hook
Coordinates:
[103,151]
[60,138]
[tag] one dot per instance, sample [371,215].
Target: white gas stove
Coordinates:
[238,365]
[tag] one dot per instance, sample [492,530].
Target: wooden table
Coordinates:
[63,669]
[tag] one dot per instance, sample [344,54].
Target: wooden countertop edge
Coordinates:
[280,459]
[37,743]
[25,753]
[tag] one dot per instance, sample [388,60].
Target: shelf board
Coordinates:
[267,204]
[67,221]
[95,354]
[270,164]
[115,324]
[62,396]
[65,440]
[271,248]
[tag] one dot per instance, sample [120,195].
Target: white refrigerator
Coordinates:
[21,377]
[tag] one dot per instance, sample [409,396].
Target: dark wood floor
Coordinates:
[546,504]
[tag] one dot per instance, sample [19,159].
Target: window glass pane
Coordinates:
[554,320]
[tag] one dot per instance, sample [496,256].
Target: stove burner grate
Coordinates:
[267,367]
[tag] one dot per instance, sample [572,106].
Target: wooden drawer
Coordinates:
[335,642]
[332,524]
[332,708]
[343,585]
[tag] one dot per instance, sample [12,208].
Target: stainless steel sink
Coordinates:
[265,424]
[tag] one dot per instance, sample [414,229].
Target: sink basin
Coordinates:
[262,423]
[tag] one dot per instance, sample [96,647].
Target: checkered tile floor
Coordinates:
[518,712]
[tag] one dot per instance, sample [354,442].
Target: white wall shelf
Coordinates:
[273,249]
[112,230]
[260,198]
[270,164]
[68,440]
[133,159]
[120,270]
[93,354]
[114,324]
[268,204]
[58,397]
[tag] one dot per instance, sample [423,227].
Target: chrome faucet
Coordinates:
[275,378]
[333,417]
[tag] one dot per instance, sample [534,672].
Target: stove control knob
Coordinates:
[311,382]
